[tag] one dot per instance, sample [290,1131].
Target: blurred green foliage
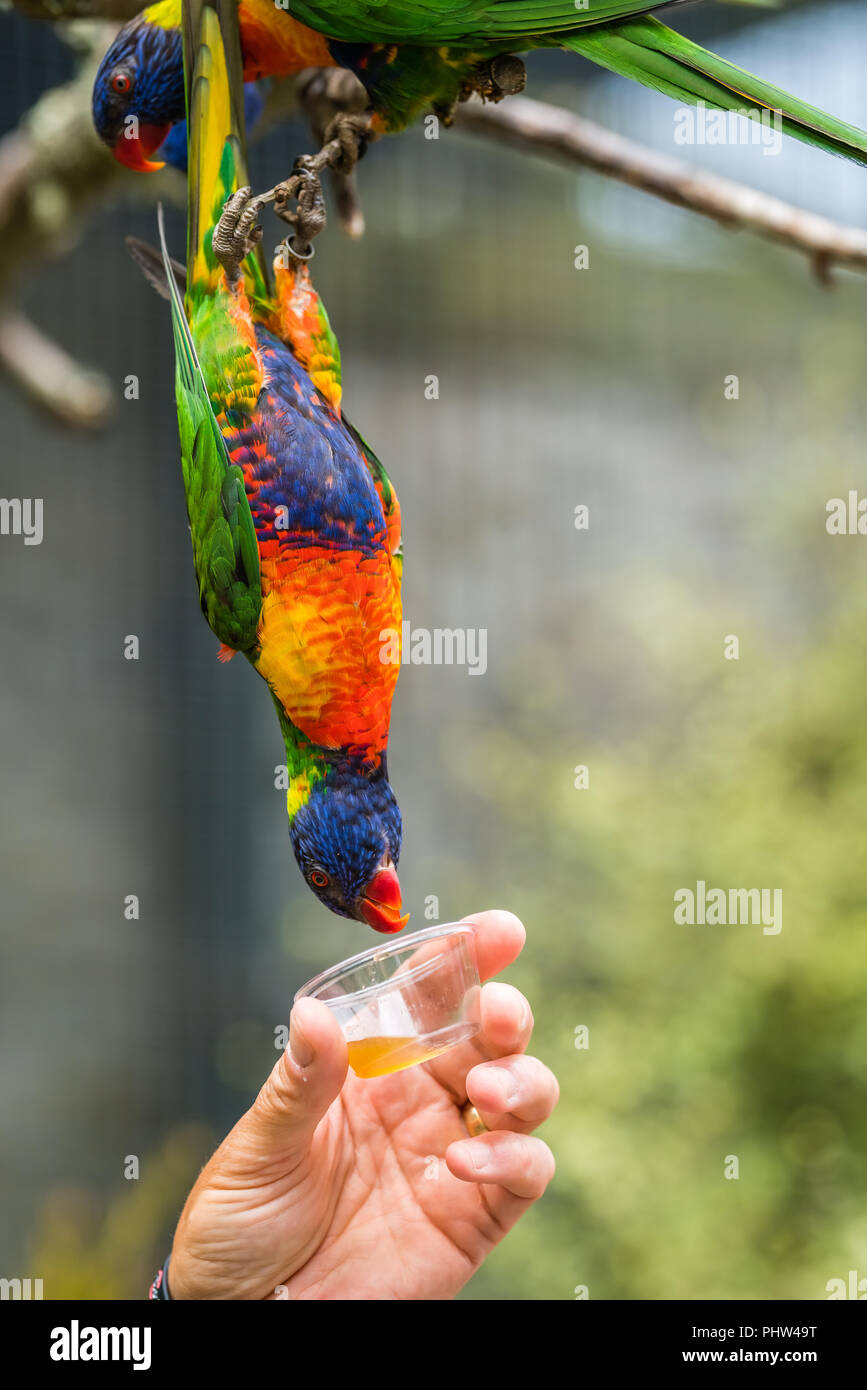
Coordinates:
[110,1245]
[704,1041]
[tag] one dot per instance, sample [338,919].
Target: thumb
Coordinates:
[306,1079]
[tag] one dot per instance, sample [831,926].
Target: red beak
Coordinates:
[381,904]
[134,153]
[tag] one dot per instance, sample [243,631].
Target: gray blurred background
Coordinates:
[556,387]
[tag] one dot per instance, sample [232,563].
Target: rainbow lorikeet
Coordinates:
[295,526]
[413,56]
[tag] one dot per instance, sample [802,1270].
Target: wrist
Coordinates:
[181,1288]
[159,1289]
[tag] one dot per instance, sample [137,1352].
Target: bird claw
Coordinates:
[237,233]
[346,139]
[324,95]
[347,135]
[503,76]
[351,133]
[308,218]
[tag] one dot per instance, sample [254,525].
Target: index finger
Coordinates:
[499,938]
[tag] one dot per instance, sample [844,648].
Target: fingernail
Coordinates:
[506,1083]
[480,1158]
[512,1090]
[299,1045]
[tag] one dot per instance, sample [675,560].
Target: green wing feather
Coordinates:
[656,56]
[457,22]
[225,552]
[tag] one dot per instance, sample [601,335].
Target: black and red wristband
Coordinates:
[159,1289]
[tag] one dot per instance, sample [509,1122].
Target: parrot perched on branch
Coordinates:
[414,56]
[295,526]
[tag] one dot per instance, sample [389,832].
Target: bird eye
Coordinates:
[318,878]
[121,82]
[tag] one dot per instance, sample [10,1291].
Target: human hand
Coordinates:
[332,1187]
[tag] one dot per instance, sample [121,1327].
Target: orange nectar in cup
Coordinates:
[403,1004]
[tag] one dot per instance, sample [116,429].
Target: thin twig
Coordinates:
[537,128]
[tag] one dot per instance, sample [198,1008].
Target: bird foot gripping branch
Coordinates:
[500,77]
[504,76]
[324,93]
[346,138]
[237,233]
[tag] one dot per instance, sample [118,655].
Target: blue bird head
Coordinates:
[347,841]
[138,94]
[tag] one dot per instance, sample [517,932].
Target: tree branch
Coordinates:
[58,10]
[537,128]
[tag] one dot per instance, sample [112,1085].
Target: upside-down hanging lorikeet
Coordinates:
[416,55]
[295,526]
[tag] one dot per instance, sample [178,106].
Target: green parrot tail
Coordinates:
[216,137]
[225,552]
[649,52]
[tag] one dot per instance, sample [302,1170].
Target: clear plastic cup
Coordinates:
[403,1004]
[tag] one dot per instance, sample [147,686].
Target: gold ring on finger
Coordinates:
[473,1121]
